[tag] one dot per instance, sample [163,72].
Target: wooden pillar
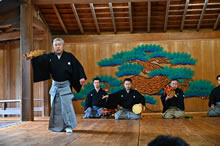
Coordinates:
[47,85]
[26,43]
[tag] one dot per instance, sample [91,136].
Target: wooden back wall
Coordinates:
[90,49]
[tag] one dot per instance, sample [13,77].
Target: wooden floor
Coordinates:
[200,130]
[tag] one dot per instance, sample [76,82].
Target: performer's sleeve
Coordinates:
[113,100]
[101,101]
[88,101]
[164,102]
[40,67]
[140,97]
[180,99]
[212,98]
[77,74]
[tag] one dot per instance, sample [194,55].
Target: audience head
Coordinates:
[163,140]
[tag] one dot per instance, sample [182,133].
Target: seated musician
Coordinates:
[214,101]
[173,101]
[94,102]
[126,98]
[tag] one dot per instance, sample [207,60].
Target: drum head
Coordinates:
[137,108]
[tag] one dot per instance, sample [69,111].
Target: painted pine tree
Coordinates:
[151,69]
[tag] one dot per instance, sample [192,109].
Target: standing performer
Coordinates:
[126,98]
[94,102]
[66,72]
[214,101]
[173,102]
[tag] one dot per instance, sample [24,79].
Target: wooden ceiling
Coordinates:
[134,16]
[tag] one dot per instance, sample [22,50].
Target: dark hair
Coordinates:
[128,79]
[217,77]
[96,78]
[163,140]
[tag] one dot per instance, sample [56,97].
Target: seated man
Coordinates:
[126,98]
[94,102]
[214,101]
[173,105]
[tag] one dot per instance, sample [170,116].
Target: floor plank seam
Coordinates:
[139,133]
[9,124]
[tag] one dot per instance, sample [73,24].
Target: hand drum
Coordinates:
[137,108]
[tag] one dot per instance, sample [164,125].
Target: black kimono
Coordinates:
[175,101]
[126,100]
[65,68]
[94,98]
[66,72]
[214,97]
[94,104]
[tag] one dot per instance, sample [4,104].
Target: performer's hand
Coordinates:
[168,97]
[34,53]
[82,81]
[144,108]
[27,57]
[104,97]
[212,106]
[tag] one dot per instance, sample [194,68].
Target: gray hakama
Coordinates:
[93,112]
[126,114]
[126,100]
[62,113]
[215,112]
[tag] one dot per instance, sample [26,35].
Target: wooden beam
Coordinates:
[94,17]
[41,16]
[113,17]
[77,18]
[15,35]
[46,83]
[60,19]
[8,70]
[39,25]
[149,16]
[26,45]
[216,22]
[10,36]
[7,26]
[89,1]
[13,13]
[76,39]
[130,17]
[202,14]
[166,15]
[184,15]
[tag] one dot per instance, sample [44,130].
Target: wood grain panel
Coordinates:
[200,130]
[89,49]
[205,51]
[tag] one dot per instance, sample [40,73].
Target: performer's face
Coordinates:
[96,84]
[127,85]
[174,84]
[58,47]
[219,80]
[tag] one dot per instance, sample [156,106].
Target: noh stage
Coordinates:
[200,130]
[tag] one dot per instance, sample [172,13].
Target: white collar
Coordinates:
[59,56]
